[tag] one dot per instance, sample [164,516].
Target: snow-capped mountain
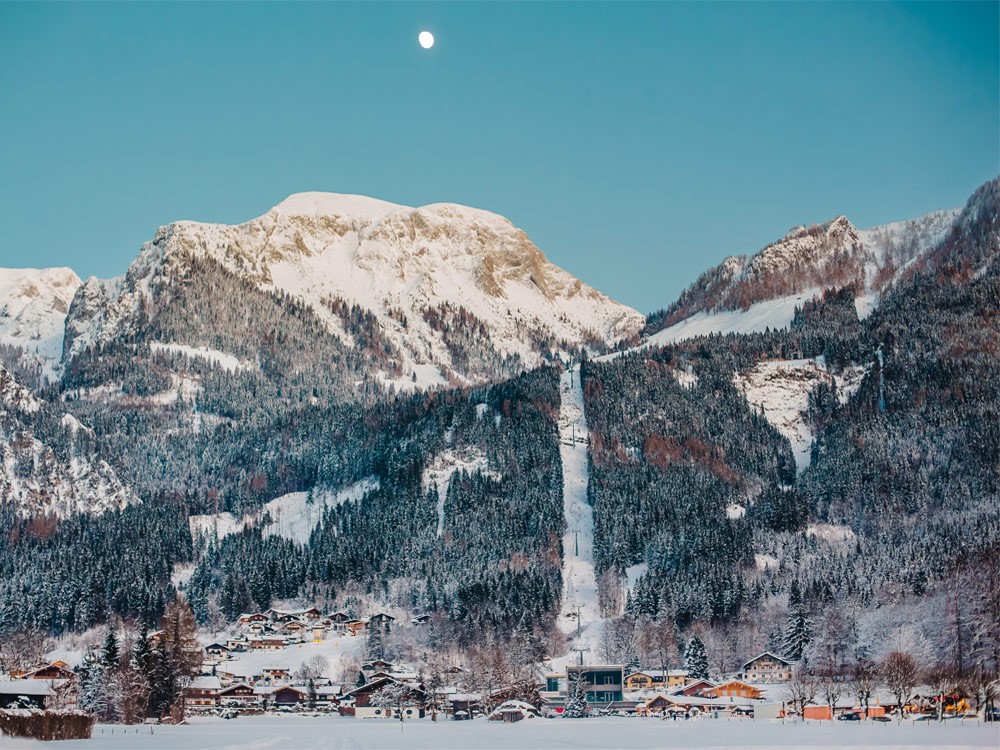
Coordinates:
[750,293]
[58,473]
[33,307]
[425,276]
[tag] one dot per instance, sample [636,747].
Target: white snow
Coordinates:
[830,533]
[780,388]
[332,732]
[421,377]
[578,576]
[775,314]
[225,361]
[336,204]
[33,307]
[394,261]
[442,468]
[293,516]
[338,651]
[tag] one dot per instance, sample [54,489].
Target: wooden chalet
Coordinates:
[767,667]
[285,695]
[57,670]
[354,627]
[202,691]
[338,621]
[246,618]
[698,687]
[240,694]
[734,689]
[217,651]
[381,619]
[361,697]
[37,693]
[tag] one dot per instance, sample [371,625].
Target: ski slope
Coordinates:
[579,580]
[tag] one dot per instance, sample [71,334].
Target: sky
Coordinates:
[636,143]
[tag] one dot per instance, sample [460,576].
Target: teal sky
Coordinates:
[637,144]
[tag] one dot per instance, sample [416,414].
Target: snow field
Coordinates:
[613,733]
[579,580]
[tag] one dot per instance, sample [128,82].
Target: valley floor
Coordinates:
[339,733]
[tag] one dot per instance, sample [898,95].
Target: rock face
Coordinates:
[48,465]
[769,284]
[427,276]
[33,307]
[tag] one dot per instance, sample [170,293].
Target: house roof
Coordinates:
[205,683]
[30,687]
[770,655]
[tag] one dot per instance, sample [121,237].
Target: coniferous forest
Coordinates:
[894,518]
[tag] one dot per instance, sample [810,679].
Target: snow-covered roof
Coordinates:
[30,687]
[205,683]
[769,655]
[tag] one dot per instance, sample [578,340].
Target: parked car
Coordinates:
[849,717]
[881,718]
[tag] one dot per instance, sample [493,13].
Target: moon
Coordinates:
[426,39]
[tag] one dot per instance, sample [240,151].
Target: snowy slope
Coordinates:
[443,467]
[416,269]
[38,479]
[780,389]
[749,293]
[292,516]
[579,579]
[33,307]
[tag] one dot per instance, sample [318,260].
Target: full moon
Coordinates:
[426,39]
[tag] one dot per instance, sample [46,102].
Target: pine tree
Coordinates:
[576,697]
[798,629]
[93,692]
[696,659]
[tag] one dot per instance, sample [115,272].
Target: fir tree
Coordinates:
[798,629]
[696,659]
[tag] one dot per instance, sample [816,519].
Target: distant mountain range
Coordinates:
[361,393]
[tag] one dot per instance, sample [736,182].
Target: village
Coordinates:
[251,673]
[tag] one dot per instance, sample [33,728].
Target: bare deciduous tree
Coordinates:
[899,671]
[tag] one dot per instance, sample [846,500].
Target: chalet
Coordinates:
[338,621]
[284,695]
[734,689]
[37,693]
[240,694]
[381,619]
[202,691]
[646,679]
[379,665]
[698,687]
[354,627]
[677,677]
[603,683]
[57,670]
[246,619]
[156,637]
[260,628]
[237,644]
[309,614]
[217,652]
[293,626]
[267,643]
[463,705]
[767,667]
[363,697]
[275,674]
[420,620]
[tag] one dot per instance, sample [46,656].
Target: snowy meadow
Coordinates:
[337,733]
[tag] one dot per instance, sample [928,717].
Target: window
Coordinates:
[608,679]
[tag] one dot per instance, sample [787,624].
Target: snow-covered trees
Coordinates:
[696,659]
[798,629]
[576,697]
